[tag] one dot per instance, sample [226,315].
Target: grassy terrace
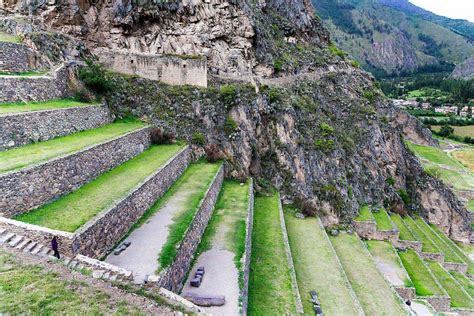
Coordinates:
[384,252]
[405,233]
[465,156]
[365,215]
[30,73]
[383,220]
[5,37]
[21,157]
[428,245]
[77,208]
[373,292]
[270,291]
[433,154]
[465,282]
[423,281]
[458,297]
[229,215]
[18,107]
[449,254]
[33,290]
[460,253]
[317,267]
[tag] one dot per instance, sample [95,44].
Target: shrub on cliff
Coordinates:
[94,77]
[159,137]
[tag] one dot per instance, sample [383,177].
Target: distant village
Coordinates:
[447,109]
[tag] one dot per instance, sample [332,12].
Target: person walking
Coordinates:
[54,246]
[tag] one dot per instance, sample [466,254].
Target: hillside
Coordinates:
[396,37]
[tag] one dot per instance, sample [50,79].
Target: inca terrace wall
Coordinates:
[244,293]
[98,237]
[173,70]
[29,188]
[16,57]
[36,88]
[173,277]
[20,129]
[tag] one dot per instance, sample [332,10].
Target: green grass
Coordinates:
[17,107]
[230,215]
[270,291]
[373,292]
[5,37]
[465,282]
[449,254]
[30,73]
[383,251]
[435,155]
[466,157]
[196,179]
[317,267]
[365,215]
[428,245]
[470,205]
[21,157]
[458,297]
[33,290]
[383,220]
[424,282]
[77,208]
[405,233]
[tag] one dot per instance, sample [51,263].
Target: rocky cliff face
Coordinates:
[311,125]
[465,70]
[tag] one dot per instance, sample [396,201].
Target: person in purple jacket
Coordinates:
[54,246]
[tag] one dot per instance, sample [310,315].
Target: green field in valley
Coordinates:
[270,290]
[317,267]
[75,209]
[31,154]
[374,293]
[18,107]
[434,155]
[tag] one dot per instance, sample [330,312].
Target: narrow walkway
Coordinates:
[148,240]
[221,245]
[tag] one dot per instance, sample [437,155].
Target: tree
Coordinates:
[446,131]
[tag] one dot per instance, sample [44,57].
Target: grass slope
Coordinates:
[449,254]
[465,156]
[33,290]
[21,157]
[373,292]
[230,214]
[428,245]
[17,107]
[270,291]
[458,297]
[75,209]
[423,281]
[405,233]
[5,37]
[383,220]
[465,282]
[365,215]
[433,154]
[317,267]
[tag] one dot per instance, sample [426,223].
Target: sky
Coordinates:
[456,9]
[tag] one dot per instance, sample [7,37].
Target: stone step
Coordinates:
[45,252]
[6,237]
[37,249]
[23,244]
[30,246]
[72,264]
[15,241]
[2,231]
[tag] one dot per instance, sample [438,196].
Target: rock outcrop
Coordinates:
[464,70]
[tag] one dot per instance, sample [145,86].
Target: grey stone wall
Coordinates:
[96,238]
[29,188]
[387,235]
[406,293]
[16,57]
[36,88]
[244,291]
[23,128]
[440,303]
[174,276]
[365,230]
[439,257]
[459,267]
[415,245]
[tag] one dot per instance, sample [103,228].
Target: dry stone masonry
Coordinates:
[19,58]
[34,186]
[24,128]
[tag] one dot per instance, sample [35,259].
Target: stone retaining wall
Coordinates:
[173,277]
[406,293]
[29,188]
[248,251]
[453,266]
[23,128]
[365,230]
[15,57]
[100,235]
[439,257]
[440,303]
[36,88]
[386,235]
[405,244]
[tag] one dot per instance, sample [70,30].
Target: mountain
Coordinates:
[393,37]
[465,70]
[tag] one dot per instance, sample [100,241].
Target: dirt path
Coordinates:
[390,272]
[148,240]
[421,309]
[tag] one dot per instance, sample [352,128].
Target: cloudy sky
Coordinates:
[457,9]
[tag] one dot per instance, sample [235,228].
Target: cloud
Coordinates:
[456,9]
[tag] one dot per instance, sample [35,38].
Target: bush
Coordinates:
[434,172]
[93,76]
[213,153]
[198,138]
[230,125]
[446,131]
[228,94]
[307,207]
[404,196]
[158,137]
